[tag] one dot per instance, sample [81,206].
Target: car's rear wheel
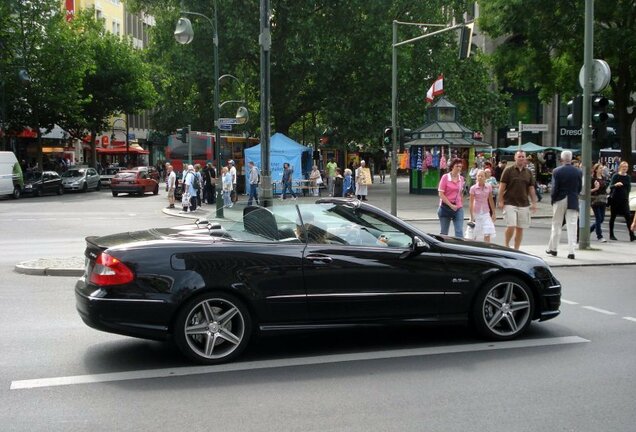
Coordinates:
[156,190]
[85,187]
[99,186]
[38,192]
[213,328]
[60,190]
[17,192]
[503,308]
[115,193]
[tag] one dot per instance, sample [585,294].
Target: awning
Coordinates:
[121,150]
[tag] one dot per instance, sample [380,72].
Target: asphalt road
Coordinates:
[574,373]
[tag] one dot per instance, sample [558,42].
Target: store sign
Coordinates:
[570,131]
[105,140]
[453,135]
[432,135]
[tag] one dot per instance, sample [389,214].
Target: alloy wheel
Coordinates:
[214,328]
[506,309]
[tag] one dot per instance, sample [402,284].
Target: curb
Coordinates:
[47,271]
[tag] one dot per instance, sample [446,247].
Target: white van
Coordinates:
[11,180]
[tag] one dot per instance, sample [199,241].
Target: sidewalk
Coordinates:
[411,208]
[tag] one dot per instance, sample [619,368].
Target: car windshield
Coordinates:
[74,173]
[326,223]
[33,176]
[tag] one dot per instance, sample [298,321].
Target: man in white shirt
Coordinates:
[232,169]
[171,183]
[253,179]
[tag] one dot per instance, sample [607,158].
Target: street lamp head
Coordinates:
[183,33]
[242,115]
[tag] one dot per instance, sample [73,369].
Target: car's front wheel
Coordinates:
[85,187]
[17,192]
[99,186]
[503,308]
[213,328]
[115,193]
[60,190]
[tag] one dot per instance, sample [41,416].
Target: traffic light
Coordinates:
[182,134]
[388,136]
[575,110]
[600,116]
[465,40]
[405,136]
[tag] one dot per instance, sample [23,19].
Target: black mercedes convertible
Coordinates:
[339,262]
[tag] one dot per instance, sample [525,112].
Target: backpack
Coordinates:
[196,182]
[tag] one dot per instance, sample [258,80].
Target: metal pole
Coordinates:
[127,142]
[394,121]
[189,141]
[586,145]
[265,40]
[217,131]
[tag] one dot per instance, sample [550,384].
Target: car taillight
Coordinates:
[108,270]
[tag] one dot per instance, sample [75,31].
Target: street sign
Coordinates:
[227,121]
[534,127]
[225,127]
[512,135]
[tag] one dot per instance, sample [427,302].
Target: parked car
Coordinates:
[108,175]
[40,183]
[152,171]
[11,179]
[81,179]
[334,264]
[133,182]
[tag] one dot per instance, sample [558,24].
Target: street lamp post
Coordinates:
[112,137]
[184,35]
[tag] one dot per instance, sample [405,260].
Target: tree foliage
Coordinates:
[544,49]
[330,66]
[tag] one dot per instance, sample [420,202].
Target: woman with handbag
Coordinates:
[598,200]
[620,186]
[451,208]
[315,180]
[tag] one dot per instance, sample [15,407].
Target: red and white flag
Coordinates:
[436,89]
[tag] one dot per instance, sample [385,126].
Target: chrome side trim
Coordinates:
[125,300]
[369,294]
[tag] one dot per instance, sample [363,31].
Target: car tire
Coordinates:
[98,187]
[17,192]
[115,193]
[60,190]
[503,308]
[213,328]
[85,187]
[38,192]
[156,190]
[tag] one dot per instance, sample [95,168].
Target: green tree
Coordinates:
[38,41]
[545,49]
[330,62]
[116,80]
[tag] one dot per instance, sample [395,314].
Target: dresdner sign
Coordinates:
[570,131]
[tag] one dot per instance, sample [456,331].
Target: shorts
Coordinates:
[515,216]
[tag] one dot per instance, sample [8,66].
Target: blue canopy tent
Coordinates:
[281,149]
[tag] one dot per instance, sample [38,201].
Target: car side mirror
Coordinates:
[417,246]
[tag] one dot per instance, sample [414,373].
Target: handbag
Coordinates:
[599,200]
[445,211]
[319,180]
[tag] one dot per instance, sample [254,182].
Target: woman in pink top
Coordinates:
[451,208]
[482,208]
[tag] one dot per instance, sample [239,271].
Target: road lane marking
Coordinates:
[300,361]
[630,319]
[603,311]
[570,302]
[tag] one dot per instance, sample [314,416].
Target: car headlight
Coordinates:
[28,186]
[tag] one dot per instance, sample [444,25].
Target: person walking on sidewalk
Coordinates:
[451,208]
[288,173]
[598,200]
[620,186]
[567,182]
[482,207]
[331,174]
[362,181]
[226,178]
[517,198]
[232,170]
[171,180]
[254,180]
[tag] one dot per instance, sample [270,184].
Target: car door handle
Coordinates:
[319,259]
